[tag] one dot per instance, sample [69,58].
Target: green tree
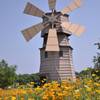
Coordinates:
[83,73]
[7,74]
[22,79]
[96,60]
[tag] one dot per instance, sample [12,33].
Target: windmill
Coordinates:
[56,53]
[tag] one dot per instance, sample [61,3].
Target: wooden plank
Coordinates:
[33,10]
[30,32]
[72,6]
[52,4]
[74,28]
[52,42]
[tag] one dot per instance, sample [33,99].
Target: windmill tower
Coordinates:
[56,53]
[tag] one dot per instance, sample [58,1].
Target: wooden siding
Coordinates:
[59,28]
[59,68]
[62,40]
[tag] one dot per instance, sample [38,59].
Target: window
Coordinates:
[60,53]
[45,40]
[50,25]
[46,54]
[54,25]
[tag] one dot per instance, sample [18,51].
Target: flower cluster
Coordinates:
[81,89]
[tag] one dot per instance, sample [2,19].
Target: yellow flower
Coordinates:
[68,78]
[77,96]
[85,69]
[13,98]
[64,80]
[65,92]
[9,87]
[1,89]
[44,79]
[45,97]
[98,98]
[67,88]
[31,82]
[76,93]
[88,89]
[88,99]
[98,84]
[97,78]
[63,86]
[19,87]
[93,75]
[24,92]
[98,91]
[73,81]
[90,81]
[96,71]
[38,86]
[30,99]
[22,98]
[95,83]
[80,88]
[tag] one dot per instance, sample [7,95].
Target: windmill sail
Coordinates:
[52,4]
[74,28]
[52,42]
[33,10]
[72,6]
[30,32]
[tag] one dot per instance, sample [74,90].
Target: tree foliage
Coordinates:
[26,78]
[7,74]
[96,59]
[83,73]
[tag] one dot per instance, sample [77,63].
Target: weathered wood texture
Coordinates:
[62,39]
[59,28]
[54,67]
[58,68]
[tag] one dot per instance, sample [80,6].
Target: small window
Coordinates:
[50,25]
[46,54]
[60,53]
[54,25]
[45,40]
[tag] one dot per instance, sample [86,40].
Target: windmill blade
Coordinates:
[72,6]
[52,42]
[52,4]
[74,28]
[30,32]
[33,10]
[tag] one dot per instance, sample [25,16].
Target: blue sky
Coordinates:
[15,50]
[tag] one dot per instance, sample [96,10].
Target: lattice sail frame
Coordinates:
[52,41]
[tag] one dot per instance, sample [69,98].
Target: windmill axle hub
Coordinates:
[52,19]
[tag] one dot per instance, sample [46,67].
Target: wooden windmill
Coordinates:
[56,53]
